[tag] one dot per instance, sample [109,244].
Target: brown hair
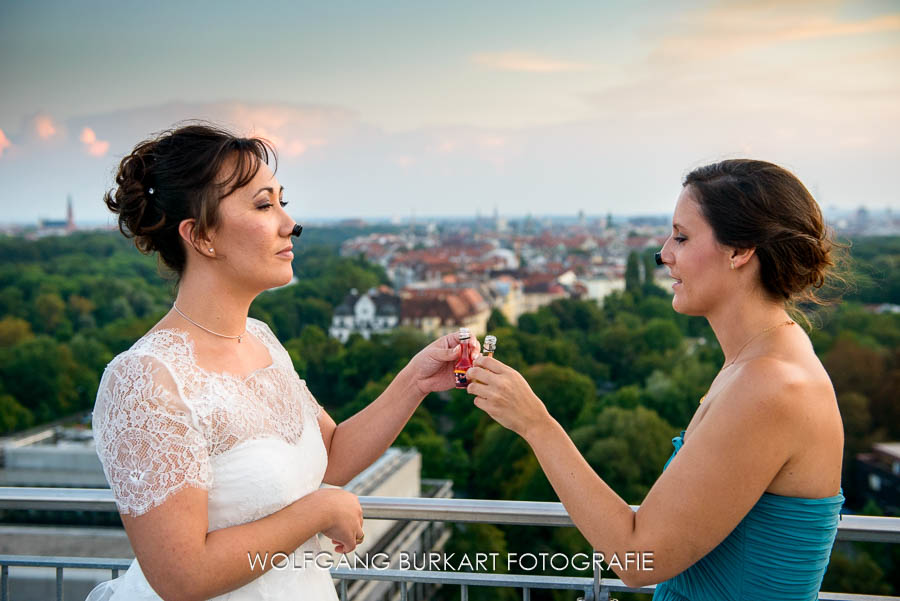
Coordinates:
[177,175]
[755,204]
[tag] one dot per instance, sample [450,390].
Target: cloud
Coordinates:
[4,142]
[44,127]
[525,62]
[93,146]
[729,28]
[403,161]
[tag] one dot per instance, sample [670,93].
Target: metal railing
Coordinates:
[522,513]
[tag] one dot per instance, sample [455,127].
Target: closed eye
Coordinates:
[268,205]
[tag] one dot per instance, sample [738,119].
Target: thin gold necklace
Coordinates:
[740,350]
[239,336]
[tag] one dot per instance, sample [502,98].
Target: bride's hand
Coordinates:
[346,519]
[502,392]
[432,367]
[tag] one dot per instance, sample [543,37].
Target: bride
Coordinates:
[214,448]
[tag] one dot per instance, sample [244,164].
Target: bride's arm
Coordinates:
[357,442]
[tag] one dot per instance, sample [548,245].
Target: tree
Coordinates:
[627,448]
[565,392]
[13,416]
[633,274]
[857,419]
[50,311]
[14,330]
[497,320]
[41,374]
[860,574]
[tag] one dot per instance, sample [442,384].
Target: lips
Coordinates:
[285,249]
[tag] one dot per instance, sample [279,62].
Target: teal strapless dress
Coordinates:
[780,550]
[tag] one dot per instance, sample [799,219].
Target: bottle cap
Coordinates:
[490,344]
[464,333]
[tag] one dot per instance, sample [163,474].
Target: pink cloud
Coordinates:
[4,142]
[295,148]
[403,161]
[45,127]
[93,146]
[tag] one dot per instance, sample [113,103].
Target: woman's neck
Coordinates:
[737,321]
[215,306]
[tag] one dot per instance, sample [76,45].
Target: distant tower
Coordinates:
[70,215]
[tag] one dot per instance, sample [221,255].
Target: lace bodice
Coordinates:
[162,423]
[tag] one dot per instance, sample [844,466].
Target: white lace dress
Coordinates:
[253,443]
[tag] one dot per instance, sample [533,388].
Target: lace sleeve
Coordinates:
[144,436]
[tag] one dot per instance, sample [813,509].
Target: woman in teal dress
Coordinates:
[747,506]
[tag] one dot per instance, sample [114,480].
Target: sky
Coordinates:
[393,109]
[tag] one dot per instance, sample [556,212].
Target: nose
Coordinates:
[663,257]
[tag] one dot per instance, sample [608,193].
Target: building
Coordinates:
[878,476]
[544,288]
[440,311]
[374,312]
[47,227]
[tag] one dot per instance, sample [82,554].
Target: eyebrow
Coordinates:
[677,225]
[268,189]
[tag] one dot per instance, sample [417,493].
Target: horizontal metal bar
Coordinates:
[430,577]
[852,597]
[39,561]
[469,578]
[522,513]
[869,528]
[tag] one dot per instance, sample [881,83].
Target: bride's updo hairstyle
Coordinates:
[176,175]
[755,204]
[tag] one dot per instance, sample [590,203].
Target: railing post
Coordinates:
[4,583]
[59,584]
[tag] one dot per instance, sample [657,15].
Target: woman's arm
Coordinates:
[358,441]
[182,562]
[724,467]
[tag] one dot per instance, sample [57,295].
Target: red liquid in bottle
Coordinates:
[465,359]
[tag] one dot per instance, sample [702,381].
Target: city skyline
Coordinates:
[388,111]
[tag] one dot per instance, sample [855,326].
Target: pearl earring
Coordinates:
[212,251]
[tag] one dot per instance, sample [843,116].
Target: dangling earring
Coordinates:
[732,262]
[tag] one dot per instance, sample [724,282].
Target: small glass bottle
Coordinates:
[490,345]
[465,359]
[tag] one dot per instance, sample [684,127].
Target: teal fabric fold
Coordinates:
[780,550]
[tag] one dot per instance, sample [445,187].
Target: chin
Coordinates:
[680,306]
